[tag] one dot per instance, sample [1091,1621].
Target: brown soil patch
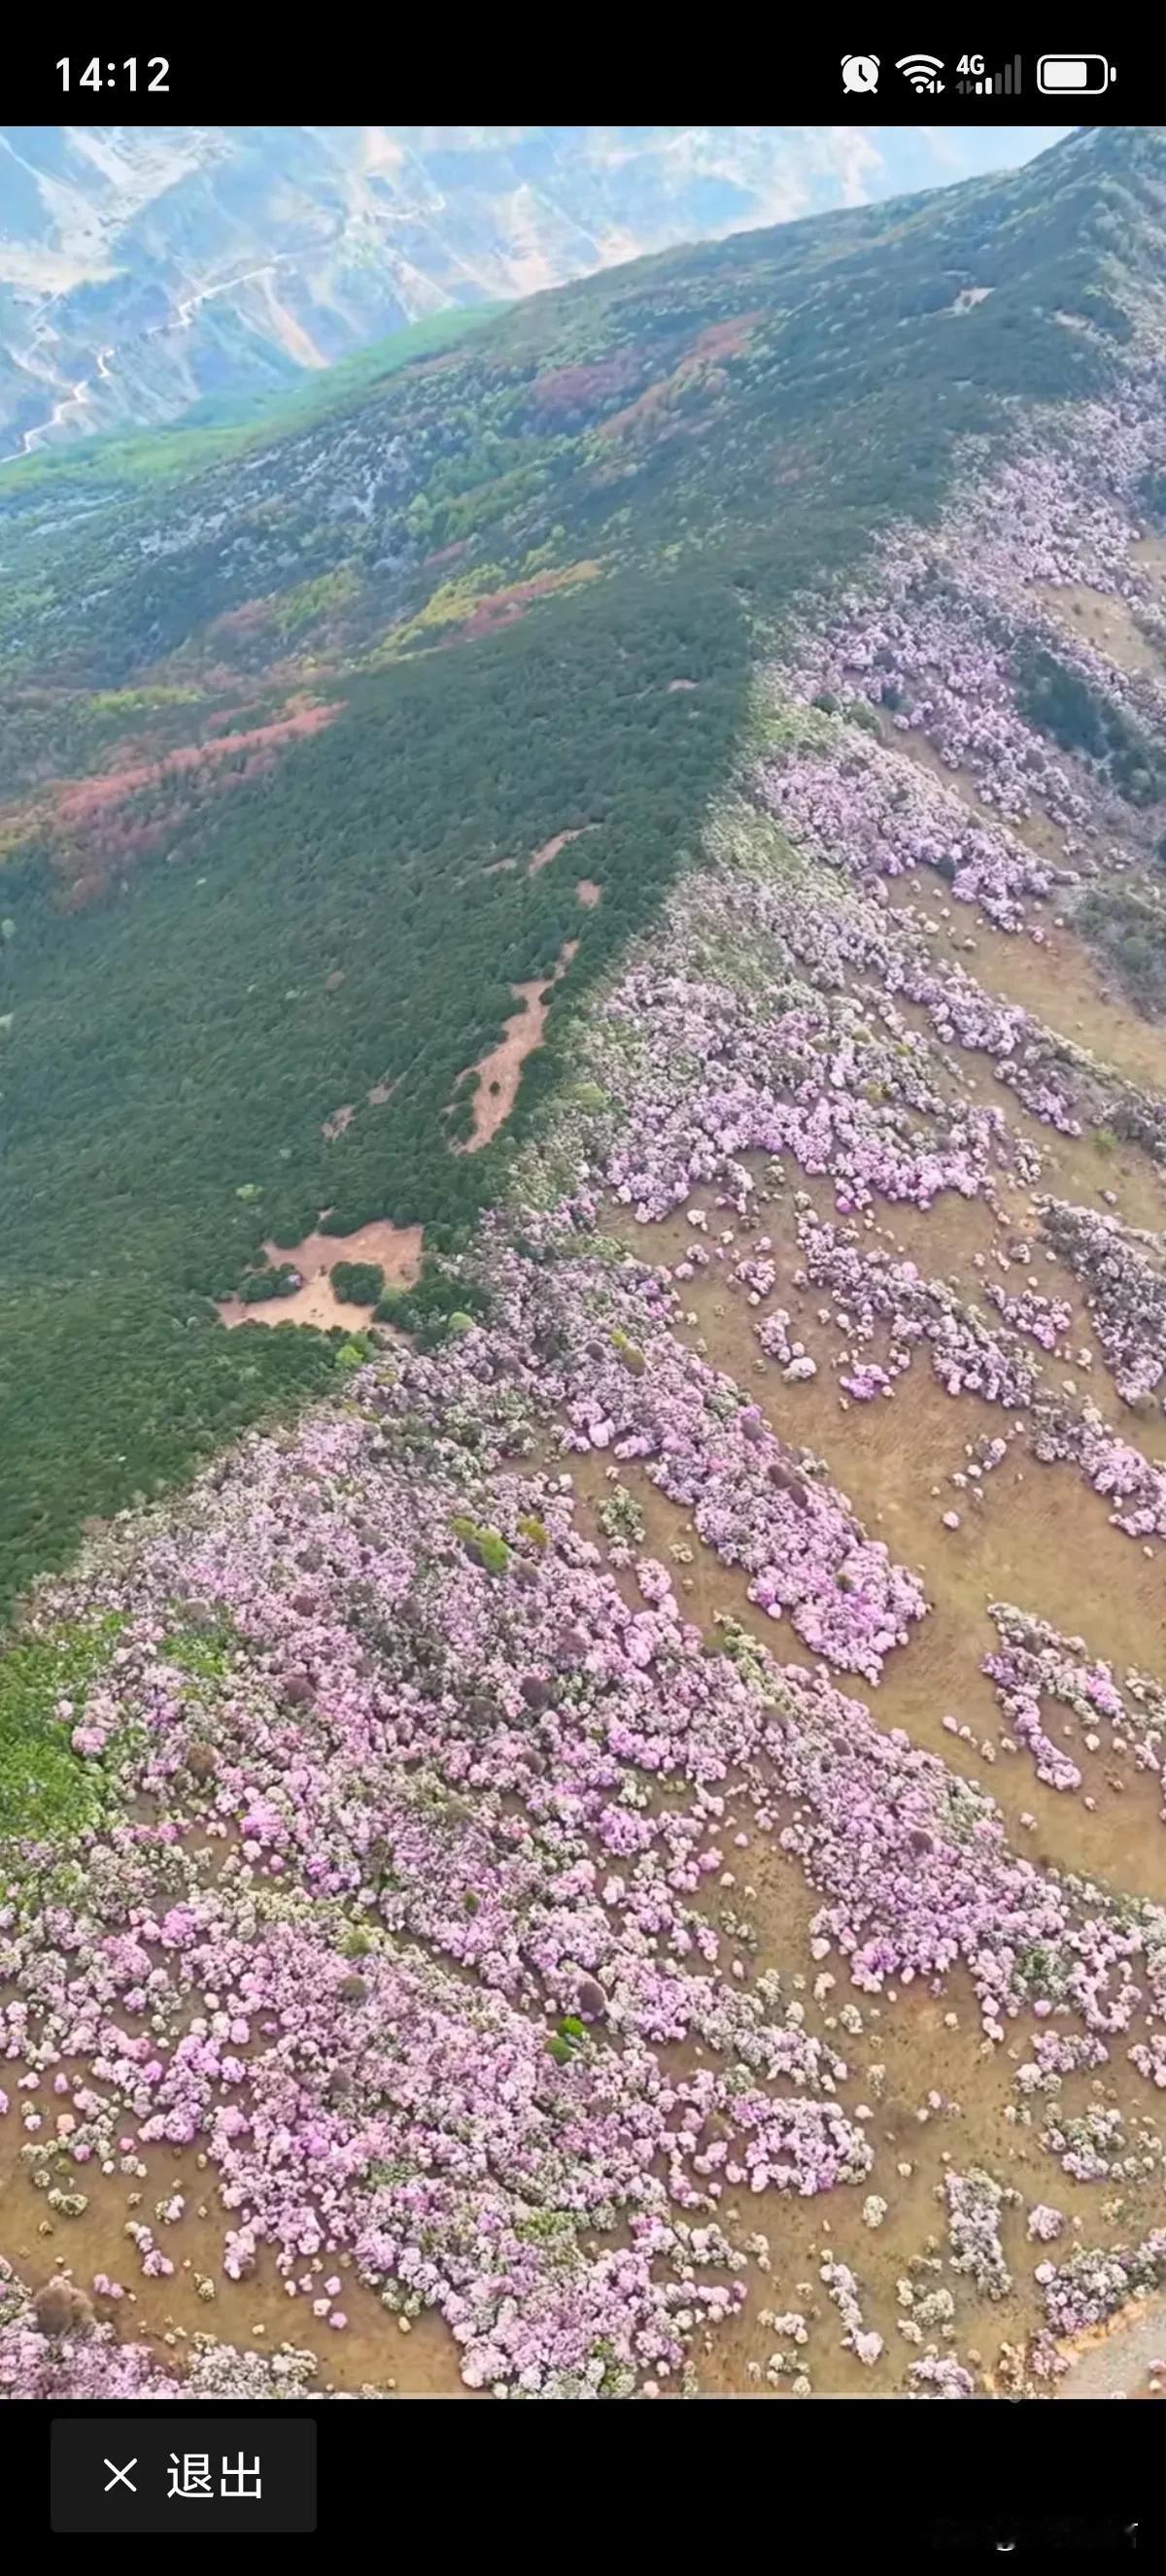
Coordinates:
[1102,620]
[501,1070]
[339,1120]
[396,1248]
[550,849]
[588,893]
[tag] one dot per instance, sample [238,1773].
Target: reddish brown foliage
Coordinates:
[241,621]
[80,801]
[719,340]
[722,340]
[503,606]
[582,389]
[100,824]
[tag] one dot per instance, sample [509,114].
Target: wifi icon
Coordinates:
[922,70]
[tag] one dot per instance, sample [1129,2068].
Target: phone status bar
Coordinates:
[887,84]
[194,79]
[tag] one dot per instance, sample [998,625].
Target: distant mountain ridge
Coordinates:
[142,272]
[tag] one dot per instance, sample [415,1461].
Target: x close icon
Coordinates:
[121,2477]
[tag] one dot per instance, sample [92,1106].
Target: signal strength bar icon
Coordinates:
[1005,84]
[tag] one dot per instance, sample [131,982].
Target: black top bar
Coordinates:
[313,69]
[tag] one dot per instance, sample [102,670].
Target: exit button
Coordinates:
[173,2473]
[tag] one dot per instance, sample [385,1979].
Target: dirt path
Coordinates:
[1114,2360]
[500,1072]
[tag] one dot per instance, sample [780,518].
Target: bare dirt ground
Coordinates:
[1101,619]
[550,849]
[501,1069]
[339,1120]
[1148,555]
[1115,2360]
[396,1248]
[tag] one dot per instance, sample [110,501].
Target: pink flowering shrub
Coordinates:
[940,2375]
[1093,2282]
[885,816]
[1124,1271]
[397,1912]
[974,2205]
[1036,1664]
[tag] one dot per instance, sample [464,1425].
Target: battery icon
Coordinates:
[1074,75]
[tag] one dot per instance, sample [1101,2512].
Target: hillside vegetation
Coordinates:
[635,835]
[287,716]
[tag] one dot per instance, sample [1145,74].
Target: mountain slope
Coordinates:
[142,272]
[284,735]
[459,1919]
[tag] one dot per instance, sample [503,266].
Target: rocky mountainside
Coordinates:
[143,272]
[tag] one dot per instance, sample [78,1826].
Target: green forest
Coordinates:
[482,567]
